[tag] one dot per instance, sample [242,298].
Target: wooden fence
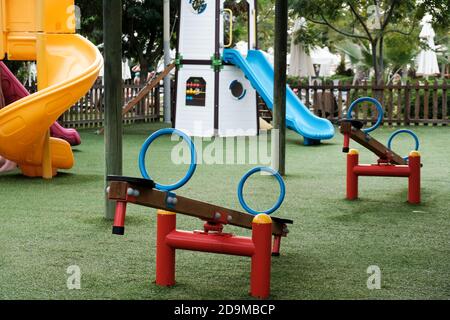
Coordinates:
[88,112]
[404,104]
[408,104]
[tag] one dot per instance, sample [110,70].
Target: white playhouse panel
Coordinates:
[195,100]
[237,104]
[197,25]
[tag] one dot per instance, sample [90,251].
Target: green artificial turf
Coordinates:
[48,226]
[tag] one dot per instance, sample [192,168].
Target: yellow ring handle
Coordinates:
[230,13]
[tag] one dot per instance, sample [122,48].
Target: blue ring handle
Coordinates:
[241,190]
[411,133]
[376,103]
[192,167]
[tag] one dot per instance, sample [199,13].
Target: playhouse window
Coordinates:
[237,90]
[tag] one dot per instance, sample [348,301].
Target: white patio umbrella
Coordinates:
[126,70]
[328,62]
[427,63]
[300,64]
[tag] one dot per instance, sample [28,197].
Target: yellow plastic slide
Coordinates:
[68,66]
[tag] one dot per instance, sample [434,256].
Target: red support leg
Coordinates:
[165,255]
[119,218]
[276,246]
[414,178]
[261,259]
[352,178]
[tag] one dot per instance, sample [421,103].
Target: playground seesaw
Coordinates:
[146,192]
[389,164]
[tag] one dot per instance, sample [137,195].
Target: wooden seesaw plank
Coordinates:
[369,142]
[150,197]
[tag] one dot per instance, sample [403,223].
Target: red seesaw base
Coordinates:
[258,247]
[410,171]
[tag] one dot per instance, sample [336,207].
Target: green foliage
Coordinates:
[342,70]
[295,81]
[440,11]
[444,50]
[240,21]
[142,28]
[91,20]
[420,95]
[400,49]
[380,23]
[266,23]
[359,54]
[342,77]
[310,36]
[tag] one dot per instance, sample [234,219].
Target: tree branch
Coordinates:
[402,32]
[326,23]
[266,15]
[389,15]
[361,21]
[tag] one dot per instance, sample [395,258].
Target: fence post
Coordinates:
[435,102]
[307,88]
[315,97]
[407,103]
[444,103]
[348,100]
[426,100]
[158,102]
[340,113]
[390,103]
[354,97]
[364,109]
[398,89]
[417,104]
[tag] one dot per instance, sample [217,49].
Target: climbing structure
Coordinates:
[67,67]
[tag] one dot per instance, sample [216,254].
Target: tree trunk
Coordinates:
[378,65]
[376,94]
[144,68]
[380,61]
[375,60]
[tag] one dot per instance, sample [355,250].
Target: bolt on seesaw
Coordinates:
[146,192]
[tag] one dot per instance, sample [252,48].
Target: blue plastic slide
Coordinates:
[260,73]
